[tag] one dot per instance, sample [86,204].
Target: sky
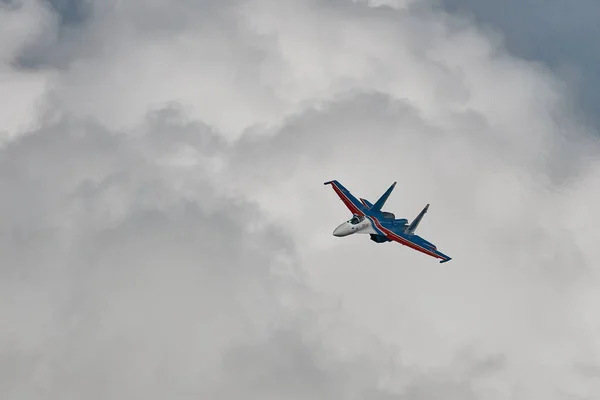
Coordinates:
[553,32]
[166,232]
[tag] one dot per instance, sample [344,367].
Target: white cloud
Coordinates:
[132,266]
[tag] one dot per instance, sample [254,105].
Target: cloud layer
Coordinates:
[166,232]
[557,34]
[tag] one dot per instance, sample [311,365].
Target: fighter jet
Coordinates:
[382,226]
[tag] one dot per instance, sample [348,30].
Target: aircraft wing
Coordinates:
[366,203]
[418,243]
[413,241]
[353,204]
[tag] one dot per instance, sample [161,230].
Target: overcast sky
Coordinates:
[166,232]
[557,33]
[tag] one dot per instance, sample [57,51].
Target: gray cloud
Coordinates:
[120,281]
[166,232]
[557,33]
[111,275]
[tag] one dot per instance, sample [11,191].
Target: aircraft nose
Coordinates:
[340,231]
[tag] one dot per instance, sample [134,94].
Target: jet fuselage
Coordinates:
[382,226]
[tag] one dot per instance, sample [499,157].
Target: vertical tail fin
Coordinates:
[413,225]
[379,203]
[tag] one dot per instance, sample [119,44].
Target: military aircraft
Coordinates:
[382,225]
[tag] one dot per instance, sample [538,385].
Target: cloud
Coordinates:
[21,24]
[557,35]
[112,274]
[166,232]
[126,274]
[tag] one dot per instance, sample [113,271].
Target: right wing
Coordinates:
[355,206]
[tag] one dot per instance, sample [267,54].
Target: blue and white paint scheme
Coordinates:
[382,226]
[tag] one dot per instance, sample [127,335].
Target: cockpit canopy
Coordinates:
[356,219]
